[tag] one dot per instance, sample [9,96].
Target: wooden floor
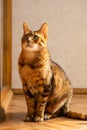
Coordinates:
[17,110]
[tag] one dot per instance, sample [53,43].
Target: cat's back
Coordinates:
[58,71]
[61,83]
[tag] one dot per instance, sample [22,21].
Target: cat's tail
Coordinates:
[76,115]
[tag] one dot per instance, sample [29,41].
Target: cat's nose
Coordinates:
[30,39]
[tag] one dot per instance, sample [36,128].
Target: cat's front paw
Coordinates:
[38,119]
[28,118]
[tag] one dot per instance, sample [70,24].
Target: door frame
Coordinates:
[5,92]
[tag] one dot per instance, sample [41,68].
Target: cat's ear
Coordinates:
[44,30]
[25,28]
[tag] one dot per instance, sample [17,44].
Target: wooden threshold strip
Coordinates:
[6,97]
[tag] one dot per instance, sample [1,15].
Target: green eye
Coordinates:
[36,38]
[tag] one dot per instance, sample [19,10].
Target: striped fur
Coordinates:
[46,87]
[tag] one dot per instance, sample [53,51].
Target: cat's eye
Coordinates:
[36,38]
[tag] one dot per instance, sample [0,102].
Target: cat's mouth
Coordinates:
[27,44]
[31,45]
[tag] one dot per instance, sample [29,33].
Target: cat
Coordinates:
[46,87]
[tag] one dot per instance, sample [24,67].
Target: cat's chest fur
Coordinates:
[35,78]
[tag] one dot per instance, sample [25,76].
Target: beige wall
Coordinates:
[67,20]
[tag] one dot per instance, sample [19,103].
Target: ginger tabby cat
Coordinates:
[46,87]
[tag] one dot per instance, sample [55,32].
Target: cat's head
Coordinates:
[34,40]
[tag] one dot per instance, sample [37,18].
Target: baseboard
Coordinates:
[80,90]
[6,99]
[75,90]
[17,91]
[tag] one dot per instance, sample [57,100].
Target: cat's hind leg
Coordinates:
[57,107]
[48,116]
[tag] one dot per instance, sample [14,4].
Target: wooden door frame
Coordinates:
[6,93]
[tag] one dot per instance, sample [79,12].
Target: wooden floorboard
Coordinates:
[17,110]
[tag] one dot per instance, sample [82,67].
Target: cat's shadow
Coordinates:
[15,116]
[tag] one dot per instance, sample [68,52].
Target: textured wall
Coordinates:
[67,20]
